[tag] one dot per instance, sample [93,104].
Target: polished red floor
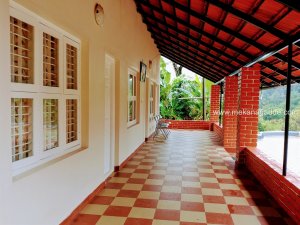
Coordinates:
[186,180]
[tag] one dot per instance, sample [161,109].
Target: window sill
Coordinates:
[132,125]
[42,164]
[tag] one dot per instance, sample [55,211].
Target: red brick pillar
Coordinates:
[214,105]
[230,113]
[248,108]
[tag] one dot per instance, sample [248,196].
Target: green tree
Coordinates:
[182,98]
[166,109]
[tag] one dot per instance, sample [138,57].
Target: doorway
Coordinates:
[109,115]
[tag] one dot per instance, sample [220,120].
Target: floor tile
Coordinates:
[165,222]
[138,221]
[139,175]
[172,189]
[128,193]
[145,213]
[236,200]
[105,200]
[212,192]
[123,201]
[152,188]
[187,179]
[170,196]
[245,220]
[229,187]
[135,187]
[114,185]
[146,203]
[213,199]
[164,214]
[218,218]
[191,190]
[233,193]
[108,192]
[85,219]
[94,209]
[149,195]
[167,204]
[191,198]
[154,182]
[118,180]
[105,220]
[216,208]
[117,211]
[240,209]
[192,206]
[189,216]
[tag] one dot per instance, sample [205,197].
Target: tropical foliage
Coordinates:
[181,98]
[272,106]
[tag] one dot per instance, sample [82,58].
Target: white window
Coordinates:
[50,123]
[152,100]
[133,105]
[21,128]
[71,117]
[21,51]
[71,57]
[45,96]
[50,61]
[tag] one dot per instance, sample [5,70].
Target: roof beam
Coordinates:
[250,19]
[293,4]
[283,58]
[265,64]
[224,63]
[216,39]
[225,44]
[195,28]
[271,77]
[208,68]
[291,39]
[216,25]
[210,74]
[185,64]
[193,56]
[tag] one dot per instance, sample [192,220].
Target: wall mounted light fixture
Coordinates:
[99,14]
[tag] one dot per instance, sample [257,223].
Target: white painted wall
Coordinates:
[48,195]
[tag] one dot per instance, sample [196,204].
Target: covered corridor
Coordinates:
[80,87]
[187,179]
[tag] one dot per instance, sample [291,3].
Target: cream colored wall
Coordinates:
[5,156]
[48,195]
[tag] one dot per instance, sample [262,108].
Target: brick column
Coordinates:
[214,105]
[230,116]
[248,108]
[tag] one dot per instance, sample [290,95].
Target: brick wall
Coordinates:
[249,102]
[214,103]
[229,120]
[219,131]
[285,190]
[189,124]
[248,108]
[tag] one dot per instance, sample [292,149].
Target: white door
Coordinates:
[109,117]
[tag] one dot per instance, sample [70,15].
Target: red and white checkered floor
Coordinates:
[186,180]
